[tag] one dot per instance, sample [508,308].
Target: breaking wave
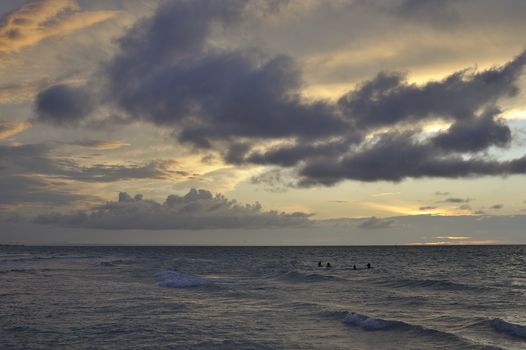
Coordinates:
[295,276]
[429,284]
[513,329]
[369,323]
[175,279]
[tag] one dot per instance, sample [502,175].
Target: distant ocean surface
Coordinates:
[263,298]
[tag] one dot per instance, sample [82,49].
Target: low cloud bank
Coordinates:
[198,209]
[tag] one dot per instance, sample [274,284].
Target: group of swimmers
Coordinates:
[320,264]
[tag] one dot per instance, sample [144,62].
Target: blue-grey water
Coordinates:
[263,298]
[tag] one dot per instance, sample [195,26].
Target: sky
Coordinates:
[242,122]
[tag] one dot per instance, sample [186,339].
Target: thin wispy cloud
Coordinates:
[456,200]
[9,129]
[100,145]
[39,20]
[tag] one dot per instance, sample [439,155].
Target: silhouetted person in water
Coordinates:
[368,266]
[354,267]
[319,264]
[329,264]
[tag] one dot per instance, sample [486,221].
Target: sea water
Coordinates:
[263,298]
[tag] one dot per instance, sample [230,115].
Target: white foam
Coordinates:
[508,327]
[175,279]
[366,322]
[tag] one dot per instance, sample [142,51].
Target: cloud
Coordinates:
[438,193]
[197,210]
[39,20]
[418,8]
[497,206]
[35,160]
[100,145]
[425,208]
[18,189]
[218,180]
[16,93]
[374,223]
[456,200]
[30,174]
[274,180]
[63,105]
[248,106]
[388,99]
[475,134]
[395,156]
[9,129]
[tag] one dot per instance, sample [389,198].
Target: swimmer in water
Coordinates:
[319,264]
[329,264]
[354,267]
[368,266]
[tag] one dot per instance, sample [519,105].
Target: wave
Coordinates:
[430,283]
[368,323]
[374,324]
[29,271]
[513,329]
[37,258]
[105,264]
[295,276]
[175,279]
[413,300]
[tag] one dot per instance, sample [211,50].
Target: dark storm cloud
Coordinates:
[166,74]
[291,155]
[240,98]
[170,72]
[475,134]
[396,156]
[198,209]
[63,105]
[388,99]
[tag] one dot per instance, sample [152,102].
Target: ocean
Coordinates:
[448,297]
